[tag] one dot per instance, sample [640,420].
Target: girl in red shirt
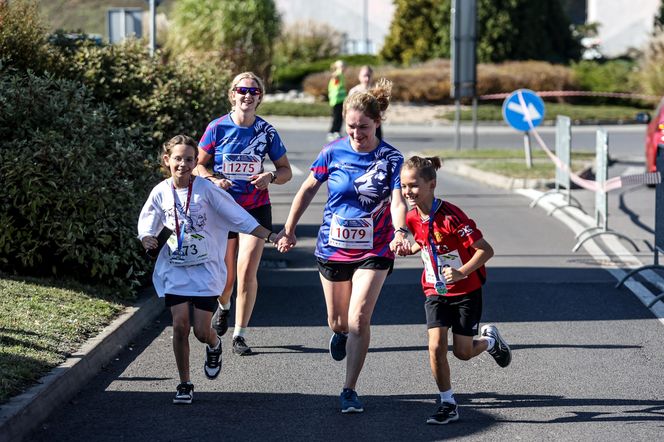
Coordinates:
[454,253]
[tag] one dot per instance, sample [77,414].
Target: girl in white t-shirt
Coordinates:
[190,267]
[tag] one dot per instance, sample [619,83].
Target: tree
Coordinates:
[241,33]
[507,30]
[659,19]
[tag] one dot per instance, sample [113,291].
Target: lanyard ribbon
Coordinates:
[439,285]
[179,232]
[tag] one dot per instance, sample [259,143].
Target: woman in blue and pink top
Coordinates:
[238,143]
[364,204]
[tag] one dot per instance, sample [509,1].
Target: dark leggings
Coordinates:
[337,110]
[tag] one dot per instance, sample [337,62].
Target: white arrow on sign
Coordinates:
[532,111]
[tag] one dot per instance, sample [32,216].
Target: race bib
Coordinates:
[194,250]
[351,233]
[450,259]
[240,166]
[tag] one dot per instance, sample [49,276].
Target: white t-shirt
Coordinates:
[212,213]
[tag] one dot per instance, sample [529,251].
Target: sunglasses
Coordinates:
[244,90]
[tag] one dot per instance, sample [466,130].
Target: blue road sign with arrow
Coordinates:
[523,109]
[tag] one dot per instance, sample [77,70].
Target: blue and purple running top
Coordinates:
[357,223]
[239,153]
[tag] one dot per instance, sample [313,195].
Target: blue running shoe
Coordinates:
[350,403]
[338,346]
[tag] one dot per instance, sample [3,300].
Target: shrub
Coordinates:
[608,76]
[166,98]
[651,76]
[291,74]
[22,36]
[73,184]
[430,82]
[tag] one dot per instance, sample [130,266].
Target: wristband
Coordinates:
[273,177]
[402,230]
[268,236]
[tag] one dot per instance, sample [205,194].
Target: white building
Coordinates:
[624,24]
[360,20]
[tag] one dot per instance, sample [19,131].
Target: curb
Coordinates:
[25,412]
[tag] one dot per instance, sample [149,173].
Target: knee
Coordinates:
[359,325]
[201,335]
[180,329]
[438,350]
[463,354]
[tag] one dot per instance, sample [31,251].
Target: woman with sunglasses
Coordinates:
[236,144]
[364,219]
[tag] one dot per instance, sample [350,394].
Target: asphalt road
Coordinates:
[587,358]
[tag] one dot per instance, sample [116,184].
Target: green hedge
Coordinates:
[73,184]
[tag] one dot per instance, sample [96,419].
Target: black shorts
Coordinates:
[263,215]
[460,313]
[207,303]
[343,271]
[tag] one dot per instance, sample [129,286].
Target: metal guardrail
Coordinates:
[659,230]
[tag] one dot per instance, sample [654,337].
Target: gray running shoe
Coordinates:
[240,347]
[212,365]
[184,393]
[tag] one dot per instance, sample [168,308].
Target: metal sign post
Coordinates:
[464,59]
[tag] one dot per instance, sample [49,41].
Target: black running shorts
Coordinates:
[263,215]
[460,313]
[207,303]
[343,271]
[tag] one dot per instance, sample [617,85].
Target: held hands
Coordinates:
[400,245]
[285,242]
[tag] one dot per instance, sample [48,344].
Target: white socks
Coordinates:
[239,331]
[447,396]
[491,341]
[224,306]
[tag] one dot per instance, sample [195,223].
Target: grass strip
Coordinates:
[576,112]
[43,322]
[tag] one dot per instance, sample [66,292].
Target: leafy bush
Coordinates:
[651,72]
[308,40]
[22,36]
[608,76]
[506,30]
[430,82]
[166,98]
[73,184]
[289,75]
[241,33]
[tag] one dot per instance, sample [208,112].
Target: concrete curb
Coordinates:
[25,412]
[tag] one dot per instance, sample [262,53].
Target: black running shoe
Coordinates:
[240,347]
[500,351]
[184,393]
[338,346]
[445,414]
[220,321]
[212,365]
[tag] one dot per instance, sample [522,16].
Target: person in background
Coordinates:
[190,267]
[336,93]
[454,253]
[353,251]
[366,82]
[237,144]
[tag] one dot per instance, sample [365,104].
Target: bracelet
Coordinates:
[273,177]
[268,236]
[402,230]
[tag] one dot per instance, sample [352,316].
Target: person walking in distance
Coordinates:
[336,93]
[365,78]
[237,144]
[364,204]
[454,253]
[190,267]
